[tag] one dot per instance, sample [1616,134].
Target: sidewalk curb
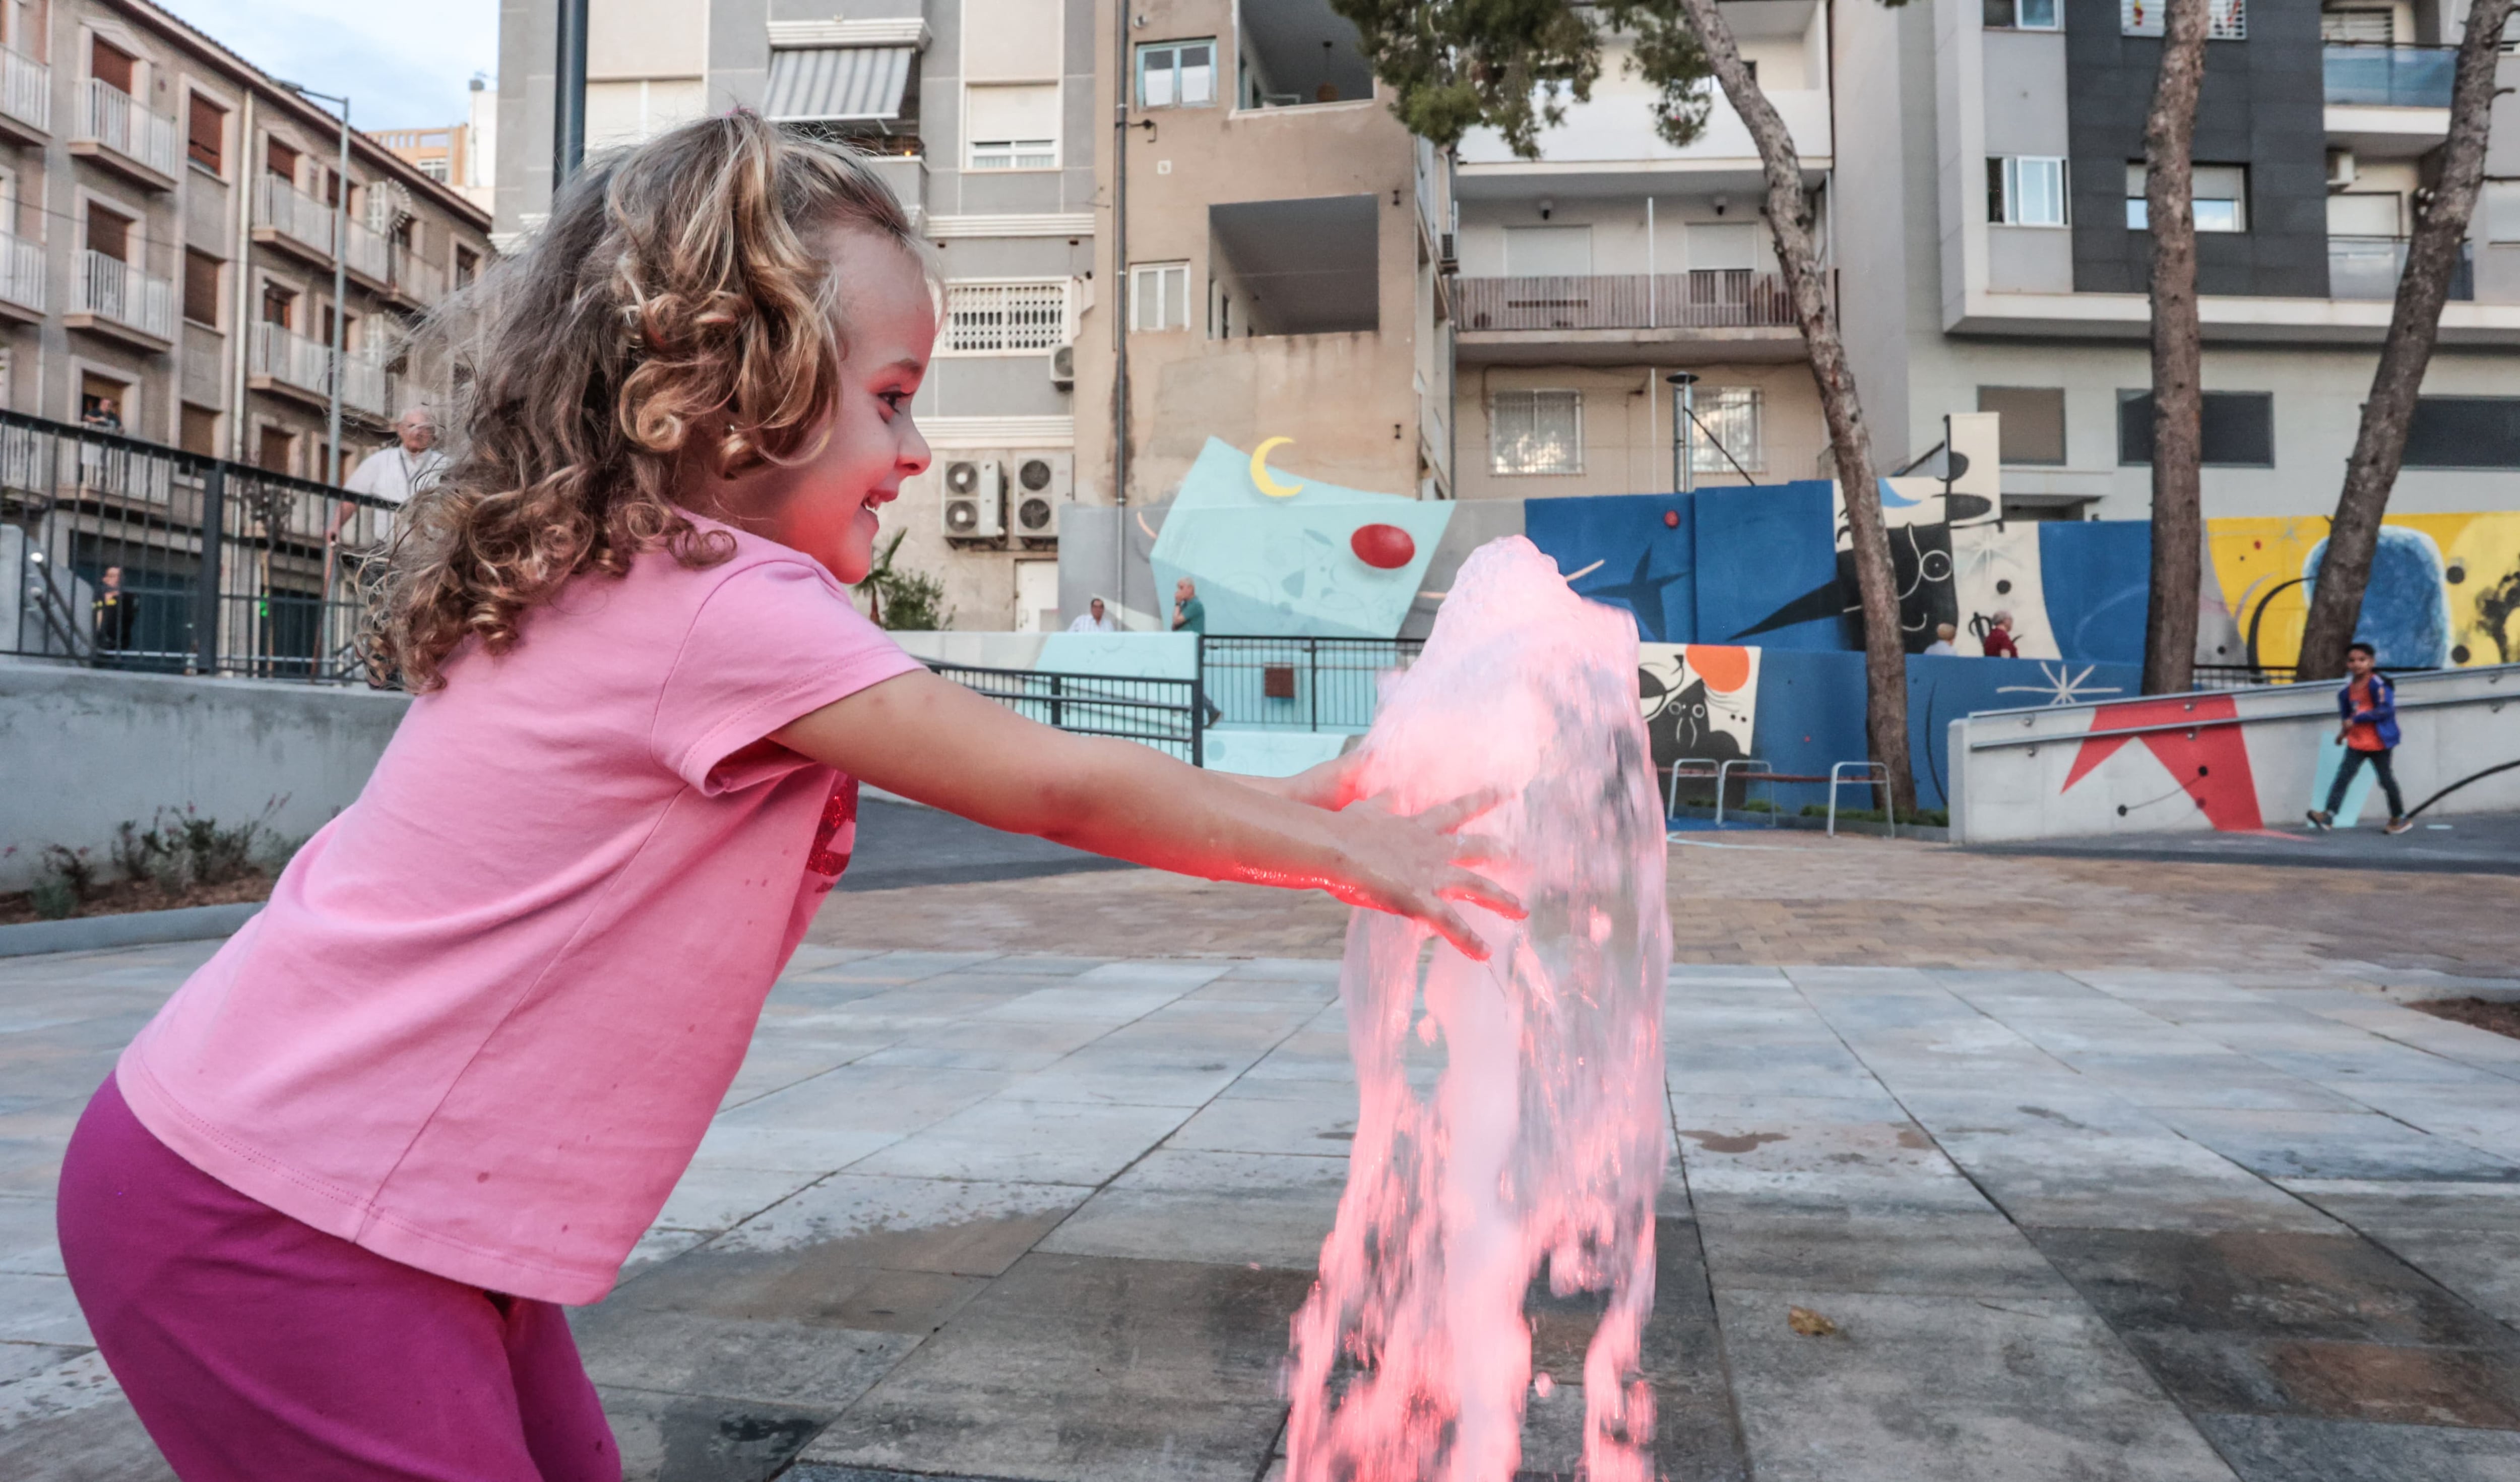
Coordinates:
[133,928]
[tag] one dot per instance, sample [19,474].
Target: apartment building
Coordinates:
[171,239]
[459,155]
[1589,275]
[1991,250]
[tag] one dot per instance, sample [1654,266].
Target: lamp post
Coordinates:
[1684,429]
[340,286]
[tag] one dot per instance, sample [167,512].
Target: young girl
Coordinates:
[320,1216]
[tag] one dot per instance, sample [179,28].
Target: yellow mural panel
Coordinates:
[2482,571]
[2258,562]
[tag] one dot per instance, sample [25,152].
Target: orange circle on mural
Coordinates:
[1724,668]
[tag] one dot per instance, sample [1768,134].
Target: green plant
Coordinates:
[67,880]
[180,850]
[900,600]
[53,898]
[1931,818]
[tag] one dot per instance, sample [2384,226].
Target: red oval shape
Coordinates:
[1671,519]
[1386,548]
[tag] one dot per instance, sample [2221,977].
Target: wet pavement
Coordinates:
[2478,843]
[980,1215]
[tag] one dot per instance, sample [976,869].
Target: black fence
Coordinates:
[131,554]
[1301,683]
[1168,714]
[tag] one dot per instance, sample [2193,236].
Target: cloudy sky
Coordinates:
[403,65]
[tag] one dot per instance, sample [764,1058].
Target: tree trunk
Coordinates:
[1789,217]
[2415,325]
[2177,356]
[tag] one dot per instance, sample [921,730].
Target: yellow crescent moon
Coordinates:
[1260,476]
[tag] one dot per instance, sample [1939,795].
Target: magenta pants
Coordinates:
[257,1347]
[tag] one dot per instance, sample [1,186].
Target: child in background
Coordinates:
[2368,724]
[320,1216]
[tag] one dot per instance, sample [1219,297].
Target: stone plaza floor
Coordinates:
[2206,1203]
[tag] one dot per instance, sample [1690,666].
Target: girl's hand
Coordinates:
[1416,866]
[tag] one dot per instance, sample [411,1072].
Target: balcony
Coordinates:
[26,98]
[121,303]
[116,131]
[287,363]
[21,280]
[2368,267]
[370,255]
[2389,77]
[285,216]
[1561,317]
[414,280]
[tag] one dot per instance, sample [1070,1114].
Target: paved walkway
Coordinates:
[1038,1217]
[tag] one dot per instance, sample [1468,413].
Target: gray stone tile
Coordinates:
[2020,1389]
[1008,1138]
[2464,1236]
[715,1198]
[693,1354]
[2295,1449]
[1232,1208]
[1320,1120]
[945,1226]
[1123,1073]
[701,1438]
[2331,1144]
[30,1244]
[1774,1154]
[100,1443]
[40,1309]
[1956,1253]
[1074,1369]
[893,1100]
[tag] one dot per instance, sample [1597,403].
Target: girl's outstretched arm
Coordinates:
[933,741]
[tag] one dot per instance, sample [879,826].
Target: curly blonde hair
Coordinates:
[674,301]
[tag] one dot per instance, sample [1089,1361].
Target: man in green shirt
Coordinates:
[1189,614]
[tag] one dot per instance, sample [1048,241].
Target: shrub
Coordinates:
[904,601]
[180,850]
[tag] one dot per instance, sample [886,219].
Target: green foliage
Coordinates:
[183,849]
[905,602]
[68,878]
[1931,818]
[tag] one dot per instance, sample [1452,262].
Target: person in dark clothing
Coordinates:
[1998,643]
[115,612]
[2369,707]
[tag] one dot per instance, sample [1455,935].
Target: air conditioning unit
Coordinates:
[1448,256]
[1062,368]
[975,499]
[1045,485]
[2340,169]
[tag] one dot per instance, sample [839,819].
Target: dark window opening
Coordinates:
[2240,429]
[280,160]
[2464,432]
[200,287]
[201,431]
[111,65]
[2033,430]
[205,140]
[108,233]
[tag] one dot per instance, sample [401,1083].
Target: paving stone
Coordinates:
[1956,1253]
[2464,1236]
[2022,1389]
[40,1309]
[699,1353]
[1772,1153]
[2293,1449]
[698,1438]
[1309,1119]
[2329,1144]
[1035,1141]
[715,1198]
[952,1227]
[102,1443]
[1232,1208]
[1078,1368]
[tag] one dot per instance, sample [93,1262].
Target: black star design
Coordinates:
[1641,594]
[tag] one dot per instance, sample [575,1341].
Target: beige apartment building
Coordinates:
[171,239]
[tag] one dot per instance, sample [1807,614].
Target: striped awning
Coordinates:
[838,82]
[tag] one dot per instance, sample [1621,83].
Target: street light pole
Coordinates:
[1684,431]
[569,95]
[340,287]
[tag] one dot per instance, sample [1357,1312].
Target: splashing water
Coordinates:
[1543,1140]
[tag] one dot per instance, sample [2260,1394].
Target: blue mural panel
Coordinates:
[2405,609]
[1810,716]
[2097,576]
[1632,551]
[1942,689]
[1767,568]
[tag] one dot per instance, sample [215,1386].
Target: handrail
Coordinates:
[2208,723]
[1868,774]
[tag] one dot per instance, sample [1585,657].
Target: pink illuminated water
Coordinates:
[1542,1142]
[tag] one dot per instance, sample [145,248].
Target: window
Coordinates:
[108,233]
[1536,433]
[2217,195]
[280,160]
[1727,424]
[1159,295]
[205,139]
[2464,432]
[200,287]
[1004,318]
[276,446]
[2240,429]
[1727,246]
[2021,15]
[111,65]
[2224,20]
[201,431]
[467,266]
[1012,128]
[2500,211]
[2026,190]
[1177,74]
[279,306]
[1548,251]
[2358,25]
[2033,430]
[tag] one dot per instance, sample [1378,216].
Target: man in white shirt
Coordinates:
[1093,621]
[1943,632]
[412,464]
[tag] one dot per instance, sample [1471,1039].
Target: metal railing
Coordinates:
[1702,299]
[370,253]
[2389,77]
[1163,713]
[2239,676]
[417,278]
[280,206]
[22,273]
[308,365]
[130,554]
[121,123]
[2368,267]
[1301,683]
[112,288]
[25,89]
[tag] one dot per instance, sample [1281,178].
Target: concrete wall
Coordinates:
[2233,761]
[88,748]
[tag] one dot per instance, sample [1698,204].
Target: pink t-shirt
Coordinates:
[492,1006]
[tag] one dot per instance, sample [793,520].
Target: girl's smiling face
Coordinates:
[825,503]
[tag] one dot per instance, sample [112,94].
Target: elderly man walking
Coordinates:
[411,465]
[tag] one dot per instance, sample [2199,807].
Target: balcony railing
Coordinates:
[118,121]
[282,208]
[2389,77]
[369,252]
[2368,267]
[22,273]
[25,89]
[1702,299]
[111,288]
[295,360]
[417,278]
